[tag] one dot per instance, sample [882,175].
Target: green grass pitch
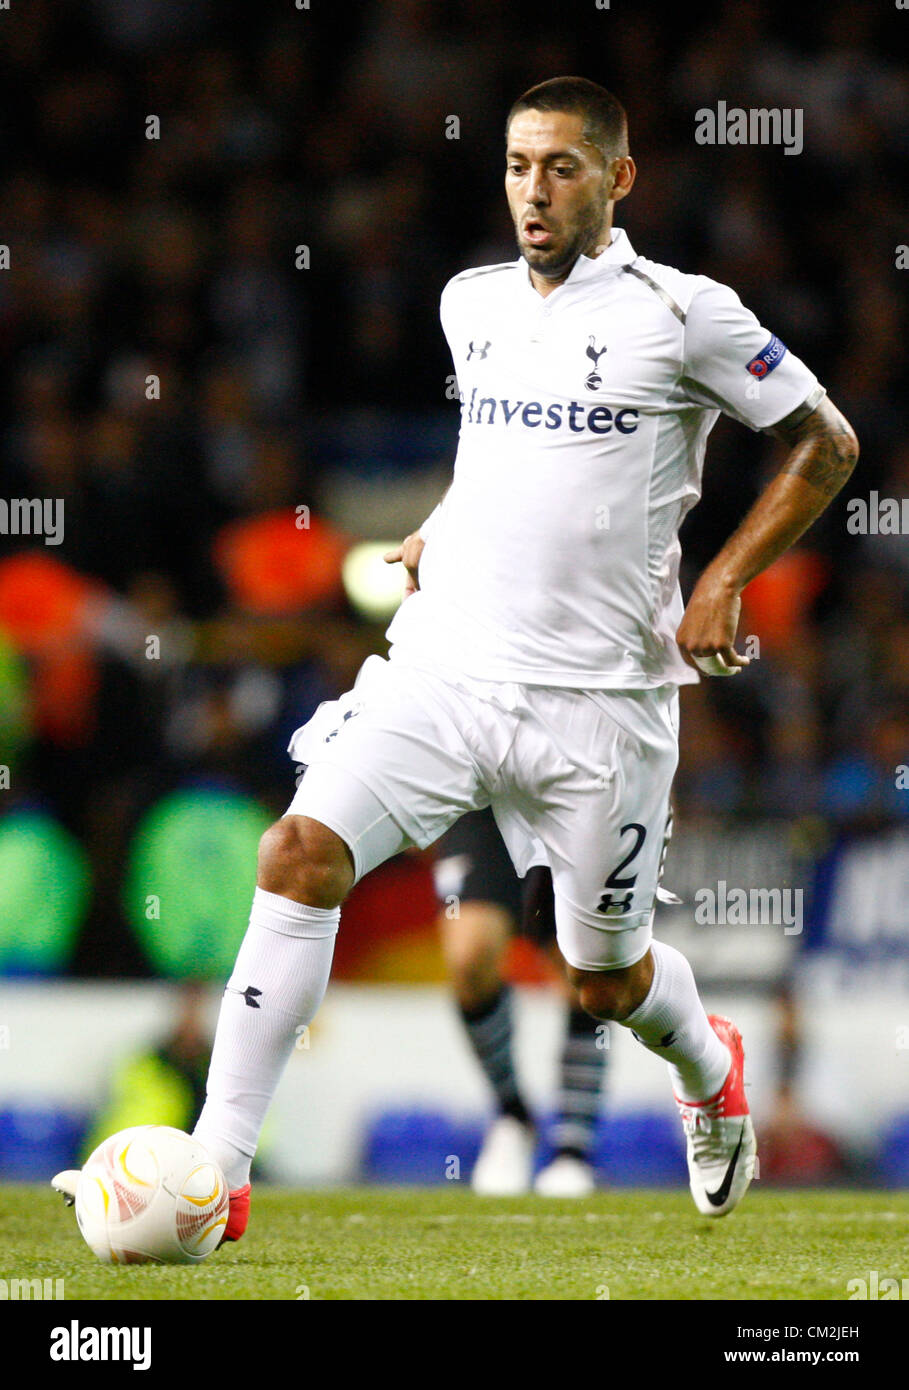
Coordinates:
[446,1243]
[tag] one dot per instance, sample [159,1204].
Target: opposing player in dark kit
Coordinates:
[484,904]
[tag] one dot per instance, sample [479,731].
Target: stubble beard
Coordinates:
[589,235]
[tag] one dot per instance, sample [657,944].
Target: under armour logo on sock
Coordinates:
[666,1041]
[250,994]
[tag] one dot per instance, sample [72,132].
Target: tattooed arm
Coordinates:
[823,451]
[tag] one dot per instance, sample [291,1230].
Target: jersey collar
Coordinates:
[618,253]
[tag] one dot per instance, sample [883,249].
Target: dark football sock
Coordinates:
[489,1028]
[580,1081]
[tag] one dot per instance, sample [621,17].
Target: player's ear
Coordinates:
[623,176]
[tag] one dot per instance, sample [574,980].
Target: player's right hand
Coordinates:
[706,635]
[408,554]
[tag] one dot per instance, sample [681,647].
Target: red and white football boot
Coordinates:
[721,1143]
[238,1214]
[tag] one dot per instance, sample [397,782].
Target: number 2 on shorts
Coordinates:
[609,904]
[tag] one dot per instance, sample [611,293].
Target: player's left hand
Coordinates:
[706,634]
[408,554]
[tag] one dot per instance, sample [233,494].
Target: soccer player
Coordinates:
[473,866]
[536,667]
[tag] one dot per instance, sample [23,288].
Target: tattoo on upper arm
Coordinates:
[823,448]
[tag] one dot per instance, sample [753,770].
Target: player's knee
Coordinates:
[303,860]
[474,945]
[607,995]
[476,979]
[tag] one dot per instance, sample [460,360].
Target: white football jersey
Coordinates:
[554,557]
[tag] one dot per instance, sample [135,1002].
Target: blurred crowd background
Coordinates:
[220,346]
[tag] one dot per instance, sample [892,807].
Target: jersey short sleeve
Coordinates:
[431,523]
[446,308]
[736,365]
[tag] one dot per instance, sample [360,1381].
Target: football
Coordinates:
[151,1194]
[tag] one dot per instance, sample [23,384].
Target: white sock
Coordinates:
[698,1061]
[277,985]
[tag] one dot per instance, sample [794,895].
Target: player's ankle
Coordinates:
[517,1110]
[573,1151]
[234,1164]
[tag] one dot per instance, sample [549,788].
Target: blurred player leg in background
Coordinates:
[484,904]
[583,1062]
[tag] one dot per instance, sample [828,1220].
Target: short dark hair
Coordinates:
[605,120]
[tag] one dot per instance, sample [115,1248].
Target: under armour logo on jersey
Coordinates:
[250,994]
[593,380]
[480,351]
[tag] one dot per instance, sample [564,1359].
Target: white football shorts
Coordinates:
[578,780]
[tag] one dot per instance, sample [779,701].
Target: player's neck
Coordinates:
[544,285]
